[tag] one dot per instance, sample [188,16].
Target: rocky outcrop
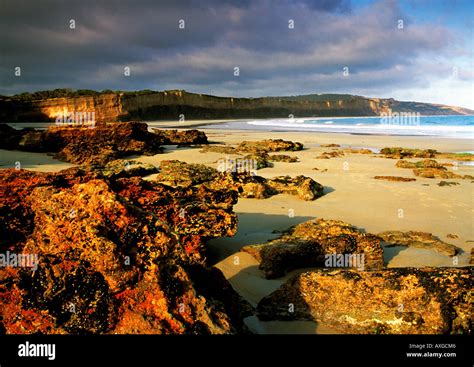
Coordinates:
[181,137]
[248,185]
[329,155]
[303,187]
[113,256]
[282,158]
[400,153]
[332,145]
[395,178]
[447,183]
[418,240]
[225,149]
[178,173]
[429,168]
[269,145]
[309,243]
[87,145]
[425,163]
[390,301]
[438,173]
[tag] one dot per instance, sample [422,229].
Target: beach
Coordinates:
[351,195]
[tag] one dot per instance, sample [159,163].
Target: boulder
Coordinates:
[303,187]
[389,301]
[269,145]
[181,137]
[282,158]
[418,240]
[308,243]
[398,152]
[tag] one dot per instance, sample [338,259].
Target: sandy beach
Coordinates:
[351,195]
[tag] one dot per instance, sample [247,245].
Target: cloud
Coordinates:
[218,36]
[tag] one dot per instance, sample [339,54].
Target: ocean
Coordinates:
[437,126]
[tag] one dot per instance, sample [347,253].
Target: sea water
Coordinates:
[441,126]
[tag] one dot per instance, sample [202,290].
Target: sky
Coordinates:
[418,50]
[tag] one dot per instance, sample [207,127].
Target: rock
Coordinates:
[114,256]
[282,158]
[395,178]
[103,143]
[124,168]
[360,151]
[418,240]
[195,214]
[90,145]
[332,145]
[452,236]
[397,152]
[225,149]
[463,157]
[333,154]
[247,185]
[182,137]
[435,172]
[303,187]
[269,145]
[255,160]
[389,301]
[174,173]
[471,260]
[425,163]
[447,183]
[308,243]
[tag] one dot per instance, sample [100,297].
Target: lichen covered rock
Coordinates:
[113,256]
[400,153]
[303,187]
[269,145]
[308,243]
[181,137]
[390,301]
[418,240]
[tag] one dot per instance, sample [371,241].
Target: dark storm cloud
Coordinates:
[219,35]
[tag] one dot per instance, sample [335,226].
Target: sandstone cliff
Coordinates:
[150,105]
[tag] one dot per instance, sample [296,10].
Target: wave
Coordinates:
[329,126]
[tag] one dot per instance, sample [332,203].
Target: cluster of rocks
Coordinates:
[114,255]
[332,154]
[400,153]
[248,185]
[96,145]
[370,298]
[308,243]
[429,168]
[258,151]
[181,137]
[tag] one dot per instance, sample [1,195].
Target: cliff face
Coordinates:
[172,104]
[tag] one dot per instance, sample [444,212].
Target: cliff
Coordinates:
[150,105]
